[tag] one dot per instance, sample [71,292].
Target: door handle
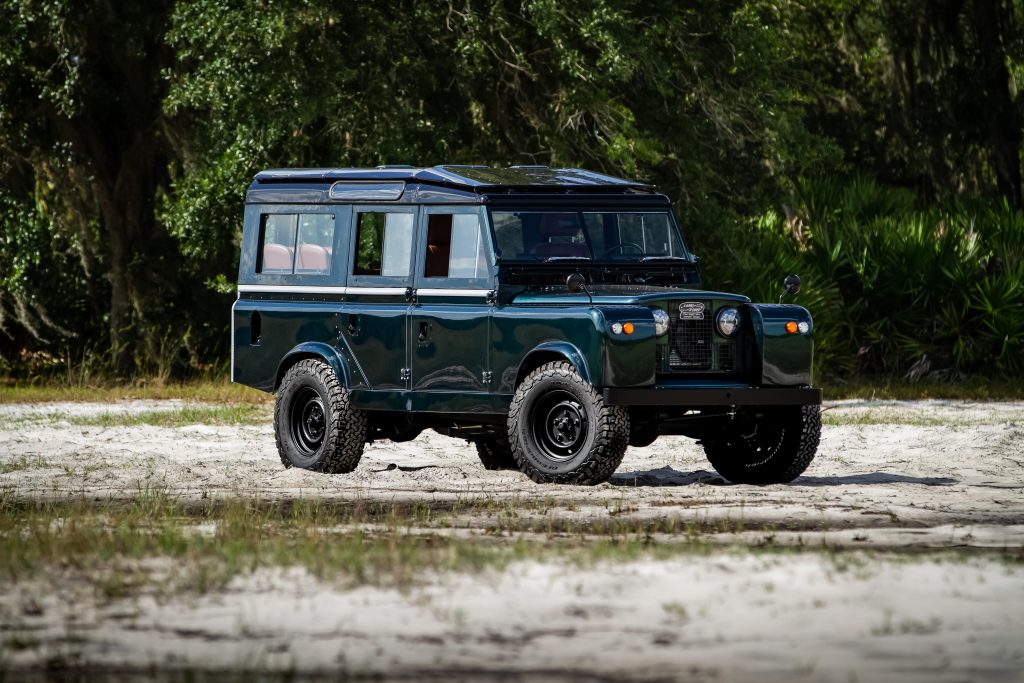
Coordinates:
[424,332]
[353,324]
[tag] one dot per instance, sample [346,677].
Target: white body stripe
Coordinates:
[379,291]
[452,292]
[292,289]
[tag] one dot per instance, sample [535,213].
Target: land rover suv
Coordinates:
[552,316]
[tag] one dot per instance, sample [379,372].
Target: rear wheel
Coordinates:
[561,430]
[315,425]
[766,445]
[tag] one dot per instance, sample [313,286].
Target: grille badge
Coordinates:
[691,310]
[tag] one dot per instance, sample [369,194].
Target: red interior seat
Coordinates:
[277,257]
[313,257]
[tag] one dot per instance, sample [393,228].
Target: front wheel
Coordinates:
[561,430]
[766,445]
[314,422]
[496,454]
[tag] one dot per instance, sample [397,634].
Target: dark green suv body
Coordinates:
[552,316]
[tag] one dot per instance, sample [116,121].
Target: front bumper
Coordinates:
[704,396]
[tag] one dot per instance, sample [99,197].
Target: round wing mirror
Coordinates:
[792,284]
[576,283]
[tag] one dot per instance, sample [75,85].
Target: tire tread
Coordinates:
[346,433]
[610,442]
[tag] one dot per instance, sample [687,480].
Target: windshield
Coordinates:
[587,235]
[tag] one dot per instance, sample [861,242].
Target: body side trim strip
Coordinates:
[452,292]
[384,291]
[292,289]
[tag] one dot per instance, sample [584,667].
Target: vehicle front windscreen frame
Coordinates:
[547,234]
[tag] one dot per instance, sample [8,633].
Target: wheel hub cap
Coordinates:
[565,427]
[559,424]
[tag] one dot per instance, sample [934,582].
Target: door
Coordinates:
[375,323]
[449,322]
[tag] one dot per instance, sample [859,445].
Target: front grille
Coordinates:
[689,340]
[693,345]
[727,356]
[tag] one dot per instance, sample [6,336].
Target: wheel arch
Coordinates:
[318,350]
[553,351]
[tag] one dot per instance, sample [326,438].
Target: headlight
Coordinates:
[728,321]
[661,321]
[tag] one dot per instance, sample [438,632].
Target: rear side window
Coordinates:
[383,244]
[296,244]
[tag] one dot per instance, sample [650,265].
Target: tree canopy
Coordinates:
[129,134]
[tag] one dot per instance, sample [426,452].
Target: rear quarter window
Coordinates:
[296,244]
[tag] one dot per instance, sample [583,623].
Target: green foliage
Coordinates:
[895,290]
[869,146]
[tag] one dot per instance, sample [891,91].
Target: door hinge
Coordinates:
[488,377]
[410,295]
[492,297]
[405,374]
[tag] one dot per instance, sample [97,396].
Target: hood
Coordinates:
[618,297]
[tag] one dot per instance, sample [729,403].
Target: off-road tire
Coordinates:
[340,447]
[777,456]
[601,436]
[496,454]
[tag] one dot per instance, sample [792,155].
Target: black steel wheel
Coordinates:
[559,424]
[766,445]
[561,430]
[315,425]
[308,421]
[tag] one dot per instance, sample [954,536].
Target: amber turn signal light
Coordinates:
[627,328]
[791,327]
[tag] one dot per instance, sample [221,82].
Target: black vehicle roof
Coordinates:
[445,184]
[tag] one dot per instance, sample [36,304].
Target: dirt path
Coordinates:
[892,476]
[938,465]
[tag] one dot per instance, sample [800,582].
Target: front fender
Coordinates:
[325,352]
[786,359]
[565,349]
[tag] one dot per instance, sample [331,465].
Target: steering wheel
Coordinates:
[623,245]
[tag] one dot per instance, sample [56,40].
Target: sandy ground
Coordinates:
[900,476]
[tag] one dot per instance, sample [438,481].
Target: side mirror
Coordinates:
[576,283]
[792,285]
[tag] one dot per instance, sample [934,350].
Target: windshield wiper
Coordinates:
[664,258]
[549,259]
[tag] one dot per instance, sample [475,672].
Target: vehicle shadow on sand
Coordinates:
[668,476]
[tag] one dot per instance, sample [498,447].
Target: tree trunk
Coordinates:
[1002,121]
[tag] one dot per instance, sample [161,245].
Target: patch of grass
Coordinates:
[894,417]
[908,626]
[154,543]
[230,414]
[221,391]
[977,389]
[23,462]
[676,611]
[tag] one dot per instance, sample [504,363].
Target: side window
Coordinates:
[298,244]
[454,247]
[383,244]
[315,244]
[277,244]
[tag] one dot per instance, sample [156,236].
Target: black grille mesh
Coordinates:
[727,356]
[689,342]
